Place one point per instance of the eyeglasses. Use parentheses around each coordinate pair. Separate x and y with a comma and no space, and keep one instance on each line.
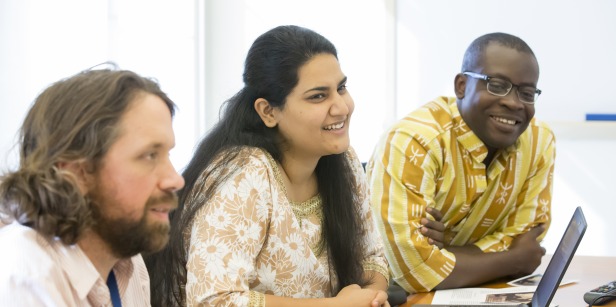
(501,87)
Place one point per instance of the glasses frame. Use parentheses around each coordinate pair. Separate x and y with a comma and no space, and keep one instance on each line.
(517,87)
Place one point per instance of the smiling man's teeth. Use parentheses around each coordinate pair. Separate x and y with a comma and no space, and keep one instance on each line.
(332,127)
(504,120)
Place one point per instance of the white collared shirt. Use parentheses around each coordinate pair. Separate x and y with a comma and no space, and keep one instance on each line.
(35,271)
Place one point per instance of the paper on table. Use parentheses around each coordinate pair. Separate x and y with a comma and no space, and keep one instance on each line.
(533,280)
(470,296)
(529,280)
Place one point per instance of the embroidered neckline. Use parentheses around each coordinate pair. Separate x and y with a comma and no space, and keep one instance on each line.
(307,208)
(301,210)
(304,209)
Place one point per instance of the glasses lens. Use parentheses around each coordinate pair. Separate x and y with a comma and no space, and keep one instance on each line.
(499,87)
(527,94)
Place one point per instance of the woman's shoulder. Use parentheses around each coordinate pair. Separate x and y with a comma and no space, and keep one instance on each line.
(241,159)
(351,154)
(353,159)
(255,156)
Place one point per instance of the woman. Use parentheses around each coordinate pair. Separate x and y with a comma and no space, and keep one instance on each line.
(275,209)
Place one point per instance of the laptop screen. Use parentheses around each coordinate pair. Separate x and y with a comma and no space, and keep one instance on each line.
(557,267)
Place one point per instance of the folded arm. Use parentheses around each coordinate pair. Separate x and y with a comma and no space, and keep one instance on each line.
(403,194)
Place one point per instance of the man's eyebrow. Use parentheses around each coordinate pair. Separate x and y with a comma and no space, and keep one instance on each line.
(154,145)
(499,76)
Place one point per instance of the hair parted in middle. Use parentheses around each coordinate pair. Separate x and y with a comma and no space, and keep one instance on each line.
(270,72)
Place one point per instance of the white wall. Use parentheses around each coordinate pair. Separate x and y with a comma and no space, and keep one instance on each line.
(397,54)
(43,41)
(573,41)
(178,42)
(39,48)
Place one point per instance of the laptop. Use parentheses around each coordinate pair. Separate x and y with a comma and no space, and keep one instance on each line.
(555,270)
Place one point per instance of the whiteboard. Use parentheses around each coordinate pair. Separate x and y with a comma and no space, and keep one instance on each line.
(574,41)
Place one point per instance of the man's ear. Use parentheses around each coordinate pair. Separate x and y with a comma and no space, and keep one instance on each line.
(459,85)
(78,171)
(266,112)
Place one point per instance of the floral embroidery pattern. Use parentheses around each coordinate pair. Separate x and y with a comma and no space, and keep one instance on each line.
(248,240)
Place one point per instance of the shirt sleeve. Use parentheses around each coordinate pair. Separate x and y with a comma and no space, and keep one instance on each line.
(402,181)
(533,203)
(374,258)
(31,278)
(29,292)
(227,234)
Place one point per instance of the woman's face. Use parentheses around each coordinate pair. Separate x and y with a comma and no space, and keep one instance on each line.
(315,119)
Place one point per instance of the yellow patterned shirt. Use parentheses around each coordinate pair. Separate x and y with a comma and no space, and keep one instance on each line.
(431,158)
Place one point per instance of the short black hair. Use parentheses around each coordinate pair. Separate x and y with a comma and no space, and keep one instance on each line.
(476,49)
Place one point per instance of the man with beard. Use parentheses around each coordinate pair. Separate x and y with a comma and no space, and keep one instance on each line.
(462,186)
(93,190)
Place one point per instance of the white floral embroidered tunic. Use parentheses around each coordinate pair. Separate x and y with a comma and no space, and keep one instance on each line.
(249,239)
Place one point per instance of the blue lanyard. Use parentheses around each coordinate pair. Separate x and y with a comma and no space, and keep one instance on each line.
(113,290)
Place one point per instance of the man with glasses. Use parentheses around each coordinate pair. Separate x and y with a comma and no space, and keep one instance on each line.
(462,186)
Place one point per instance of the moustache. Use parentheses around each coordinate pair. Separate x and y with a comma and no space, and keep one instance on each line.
(168,198)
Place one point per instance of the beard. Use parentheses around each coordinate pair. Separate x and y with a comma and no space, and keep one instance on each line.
(127,237)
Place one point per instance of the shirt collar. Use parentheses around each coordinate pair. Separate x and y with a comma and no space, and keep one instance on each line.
(81,272)
(469,140)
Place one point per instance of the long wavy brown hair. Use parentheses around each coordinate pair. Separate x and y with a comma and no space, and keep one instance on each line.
(74,119)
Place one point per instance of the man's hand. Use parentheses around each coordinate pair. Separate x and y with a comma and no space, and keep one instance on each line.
(474,267)
(529,250)
(433,229)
